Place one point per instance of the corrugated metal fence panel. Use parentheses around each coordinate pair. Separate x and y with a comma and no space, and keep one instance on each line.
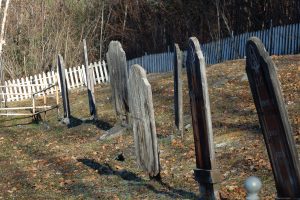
(278,40)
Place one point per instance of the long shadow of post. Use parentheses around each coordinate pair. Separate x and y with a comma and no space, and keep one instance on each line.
(98,123)
(129,176)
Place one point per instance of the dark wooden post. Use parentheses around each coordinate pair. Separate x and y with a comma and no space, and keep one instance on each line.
(90,83)
(64,89)
(178,89)
(143,121)
(206,173)
(273,119)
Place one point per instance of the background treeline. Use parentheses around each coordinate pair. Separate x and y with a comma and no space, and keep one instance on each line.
(37,30)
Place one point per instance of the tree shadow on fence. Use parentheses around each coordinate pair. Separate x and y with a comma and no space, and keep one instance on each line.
(106,169)
(74,122)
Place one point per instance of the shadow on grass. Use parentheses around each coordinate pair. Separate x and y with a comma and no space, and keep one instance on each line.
(105,169)
(74,122)
(252,127)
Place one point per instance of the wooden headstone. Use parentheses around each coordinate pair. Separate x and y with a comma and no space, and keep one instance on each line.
(178,89)
(206,173)
(64,89)
(273,119)
(116,61)
(143,122)
(90,83)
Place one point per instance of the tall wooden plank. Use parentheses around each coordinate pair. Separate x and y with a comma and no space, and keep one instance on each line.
(64,90)
(90,83)
(178,103)
(206,172)
(116,61)
(143,121)
(273,119)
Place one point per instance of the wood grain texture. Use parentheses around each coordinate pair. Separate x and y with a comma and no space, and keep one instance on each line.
(64,89)
(116,61)
(273,118)
(178,89)
(90,83)
(143,121)
(206,173)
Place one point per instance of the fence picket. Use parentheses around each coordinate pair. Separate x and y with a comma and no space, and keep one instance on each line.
(11,97)
(68,79)
(15,90)
(105,72)
(24,88)
(19,90)
(7,96)
(279,40)
(83,74)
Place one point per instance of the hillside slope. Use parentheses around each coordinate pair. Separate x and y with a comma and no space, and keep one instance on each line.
(50,161)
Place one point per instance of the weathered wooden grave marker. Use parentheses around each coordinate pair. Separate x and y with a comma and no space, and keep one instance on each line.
(64,89)
(273,119)
(178,89)
(90,83)
(143,122)
(206,173)
(116,61)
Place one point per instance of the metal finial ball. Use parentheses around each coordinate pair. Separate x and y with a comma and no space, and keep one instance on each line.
(253,186)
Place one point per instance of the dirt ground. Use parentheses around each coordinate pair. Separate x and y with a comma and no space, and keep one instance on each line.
(50,161)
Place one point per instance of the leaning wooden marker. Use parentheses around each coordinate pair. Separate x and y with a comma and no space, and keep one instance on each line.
(90,83)
(116,61)
(143,122)
(206,173)
(178,89)
(64,90)
(273,119)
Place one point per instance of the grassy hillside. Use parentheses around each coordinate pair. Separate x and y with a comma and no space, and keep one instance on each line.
(49,161)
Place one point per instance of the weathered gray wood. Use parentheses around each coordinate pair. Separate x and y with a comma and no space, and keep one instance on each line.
(64,90)
(143,122)
(90,83)
(178,89)
(206,173)
(273,119)
(116,61)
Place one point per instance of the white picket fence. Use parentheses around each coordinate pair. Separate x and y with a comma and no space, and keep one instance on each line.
(23,88)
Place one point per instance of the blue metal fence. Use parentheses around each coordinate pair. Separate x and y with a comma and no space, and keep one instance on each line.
(280,40)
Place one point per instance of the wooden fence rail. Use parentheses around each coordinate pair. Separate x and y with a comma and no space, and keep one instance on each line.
(280,40)
(23,88)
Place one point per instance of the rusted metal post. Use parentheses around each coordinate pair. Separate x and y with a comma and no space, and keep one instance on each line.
(206,172)
(273,119)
